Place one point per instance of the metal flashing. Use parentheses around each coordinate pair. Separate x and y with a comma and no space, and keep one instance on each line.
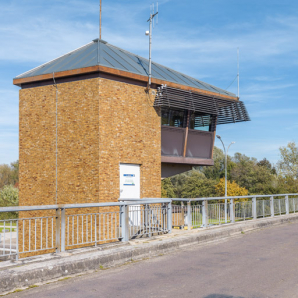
(100,52)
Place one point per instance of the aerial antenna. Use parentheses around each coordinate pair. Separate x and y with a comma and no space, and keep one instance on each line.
(238,71)
(100,19)
(151,20)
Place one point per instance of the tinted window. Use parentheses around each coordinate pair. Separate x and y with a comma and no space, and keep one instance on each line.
(171,117)
(199,121)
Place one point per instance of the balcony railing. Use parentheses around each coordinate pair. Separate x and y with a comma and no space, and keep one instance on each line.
(186,143)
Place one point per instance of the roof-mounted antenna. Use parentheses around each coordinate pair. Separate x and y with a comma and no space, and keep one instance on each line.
(100,19)
(238,71)
(99,35)
(150,20)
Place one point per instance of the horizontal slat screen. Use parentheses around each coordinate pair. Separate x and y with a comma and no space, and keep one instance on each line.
(227,111)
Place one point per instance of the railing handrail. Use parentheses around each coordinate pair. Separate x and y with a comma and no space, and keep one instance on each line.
(124,202)
(86,205)
(233,197)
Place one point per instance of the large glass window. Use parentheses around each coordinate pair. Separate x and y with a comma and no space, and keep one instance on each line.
(182,118)
(176,118)
(199,121)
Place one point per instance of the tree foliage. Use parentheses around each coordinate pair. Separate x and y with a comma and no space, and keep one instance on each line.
(256,177)
(9,196)
(233,189)
(9,174)
(198,185)
(167,190)
(246,176)
(288,164)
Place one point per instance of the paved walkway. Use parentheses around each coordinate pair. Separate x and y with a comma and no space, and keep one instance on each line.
(259,264)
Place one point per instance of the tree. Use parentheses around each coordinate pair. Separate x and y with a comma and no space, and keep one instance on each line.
(288,165)
(197,185)
(9,174)
(167,189)
(178,182)
(256,177)
(267,164)
(9,196)
(15,172)
(233,189)
(216,171)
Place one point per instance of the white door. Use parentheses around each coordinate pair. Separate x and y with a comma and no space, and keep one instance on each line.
(130,189)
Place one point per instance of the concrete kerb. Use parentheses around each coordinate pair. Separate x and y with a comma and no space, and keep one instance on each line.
(23,274)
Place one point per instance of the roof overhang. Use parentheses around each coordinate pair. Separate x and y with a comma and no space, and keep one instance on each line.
(115,72)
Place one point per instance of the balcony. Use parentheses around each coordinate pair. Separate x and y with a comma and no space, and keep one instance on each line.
(186,146)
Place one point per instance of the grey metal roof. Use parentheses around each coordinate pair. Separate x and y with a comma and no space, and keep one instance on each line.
(105,54)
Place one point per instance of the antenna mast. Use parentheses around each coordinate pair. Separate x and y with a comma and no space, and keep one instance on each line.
(100,19)
(238,71)
(151,20)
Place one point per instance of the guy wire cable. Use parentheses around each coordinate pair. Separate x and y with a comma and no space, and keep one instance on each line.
(55,85)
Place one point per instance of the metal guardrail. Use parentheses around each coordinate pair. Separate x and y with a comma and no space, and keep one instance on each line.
(61,230)
(201,213)
(57,228)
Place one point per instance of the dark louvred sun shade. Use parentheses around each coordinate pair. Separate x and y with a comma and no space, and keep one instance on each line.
(226,110)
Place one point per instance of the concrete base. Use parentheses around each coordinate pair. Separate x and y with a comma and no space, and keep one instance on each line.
(41,269)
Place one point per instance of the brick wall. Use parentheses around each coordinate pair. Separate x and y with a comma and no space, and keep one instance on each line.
(129,133)
(101,123)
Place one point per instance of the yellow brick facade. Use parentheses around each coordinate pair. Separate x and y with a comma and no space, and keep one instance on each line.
(101,123)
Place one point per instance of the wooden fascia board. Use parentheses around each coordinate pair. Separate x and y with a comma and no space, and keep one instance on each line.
(116,72)
(187,161)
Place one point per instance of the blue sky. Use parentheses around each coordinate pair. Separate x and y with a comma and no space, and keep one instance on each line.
(199,38)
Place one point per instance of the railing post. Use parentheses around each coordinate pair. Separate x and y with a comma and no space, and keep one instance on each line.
(63,229)
(254,208)
(58,220)
(205,214)
(146,219)
(287,204)
(189,215)
(232,211)
(17,242)
(226,210)
(125,223)
(272,206)
(169,218)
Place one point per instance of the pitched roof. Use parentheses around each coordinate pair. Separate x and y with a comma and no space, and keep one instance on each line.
(99,52)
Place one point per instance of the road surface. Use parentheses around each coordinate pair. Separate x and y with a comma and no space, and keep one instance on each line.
(259,264)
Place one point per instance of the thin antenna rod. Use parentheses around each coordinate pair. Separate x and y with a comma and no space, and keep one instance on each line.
(152,15)
(238,71)
(100,19)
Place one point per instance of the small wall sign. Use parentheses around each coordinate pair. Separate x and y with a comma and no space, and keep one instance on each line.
(129,179)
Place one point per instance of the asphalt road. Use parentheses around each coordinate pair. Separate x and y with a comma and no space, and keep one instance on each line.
(260,264)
